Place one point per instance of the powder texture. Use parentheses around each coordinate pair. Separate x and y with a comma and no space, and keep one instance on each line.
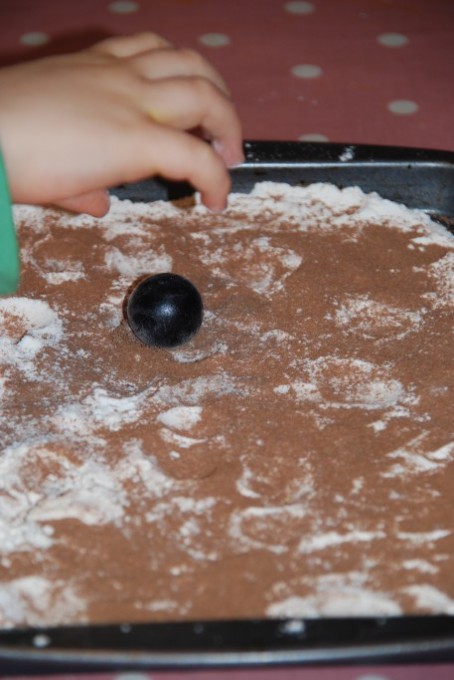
(294,459)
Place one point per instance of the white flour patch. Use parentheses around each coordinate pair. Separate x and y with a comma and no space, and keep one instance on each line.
(263,266)
(26,328)
(181,417)
(371,316)
(197,391)
(99,409)
(347,383)
(420,565)
(341,601)
(424,536)
(415,459)
(347,154)
(261,528)
(133,266)
(141,466)
(333,538)
(89,493)
(430,599)
(179,440)
(42,602)
(443,272)
(57,278)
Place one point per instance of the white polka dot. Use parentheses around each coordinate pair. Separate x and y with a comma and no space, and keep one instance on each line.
(34,39)
(393,39)
(214,39)
(132,676)
(403,107)
(299,7)
(306,71)
(313,137)
(123,7)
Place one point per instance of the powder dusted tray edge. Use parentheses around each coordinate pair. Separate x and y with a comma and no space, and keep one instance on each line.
(418,178)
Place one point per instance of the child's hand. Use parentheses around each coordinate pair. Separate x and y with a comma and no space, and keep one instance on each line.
(75,125)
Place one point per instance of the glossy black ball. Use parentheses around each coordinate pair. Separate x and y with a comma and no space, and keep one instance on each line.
(165,310)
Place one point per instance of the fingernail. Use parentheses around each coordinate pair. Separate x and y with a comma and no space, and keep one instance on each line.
(231,156)
(216,209)
(215,206)
(238,159)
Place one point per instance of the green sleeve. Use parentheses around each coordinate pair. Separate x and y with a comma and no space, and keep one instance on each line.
(9,255)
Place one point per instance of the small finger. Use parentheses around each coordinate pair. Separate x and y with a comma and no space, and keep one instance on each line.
(178,156)
(94,203)
(170,63)
(131,45)
(186,103)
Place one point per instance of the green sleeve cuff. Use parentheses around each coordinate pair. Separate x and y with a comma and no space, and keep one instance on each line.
(9,252)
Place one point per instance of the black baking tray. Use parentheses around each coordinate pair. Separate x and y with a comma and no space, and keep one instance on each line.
(419,178)
(228,644)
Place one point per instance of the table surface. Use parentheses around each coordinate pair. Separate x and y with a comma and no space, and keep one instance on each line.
(361,71)
(354,71)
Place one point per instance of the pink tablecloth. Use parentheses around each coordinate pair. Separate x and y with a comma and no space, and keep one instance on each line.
(441,672)
(362,71)
(371,71)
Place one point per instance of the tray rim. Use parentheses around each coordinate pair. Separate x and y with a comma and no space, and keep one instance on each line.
(342,162)
(276,151)
(421,639)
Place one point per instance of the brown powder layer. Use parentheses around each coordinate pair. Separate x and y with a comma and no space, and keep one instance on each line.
(294,459)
